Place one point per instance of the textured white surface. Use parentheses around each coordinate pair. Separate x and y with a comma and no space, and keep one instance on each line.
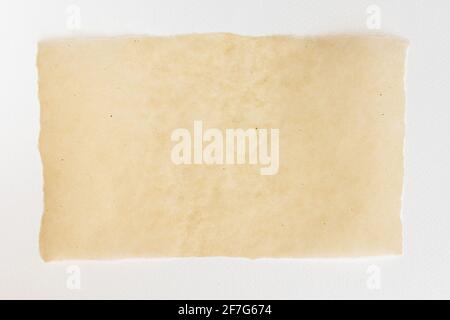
(423,271)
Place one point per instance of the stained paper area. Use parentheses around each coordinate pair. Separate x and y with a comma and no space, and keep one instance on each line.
(110,105)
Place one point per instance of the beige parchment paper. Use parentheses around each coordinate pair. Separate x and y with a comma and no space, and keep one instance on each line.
(110,105)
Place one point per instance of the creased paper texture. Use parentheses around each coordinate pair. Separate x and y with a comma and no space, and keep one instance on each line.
(109,110)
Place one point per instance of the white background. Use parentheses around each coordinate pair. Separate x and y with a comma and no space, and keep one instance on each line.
(423,271)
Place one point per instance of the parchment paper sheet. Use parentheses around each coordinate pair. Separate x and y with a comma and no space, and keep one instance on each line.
(108,107)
